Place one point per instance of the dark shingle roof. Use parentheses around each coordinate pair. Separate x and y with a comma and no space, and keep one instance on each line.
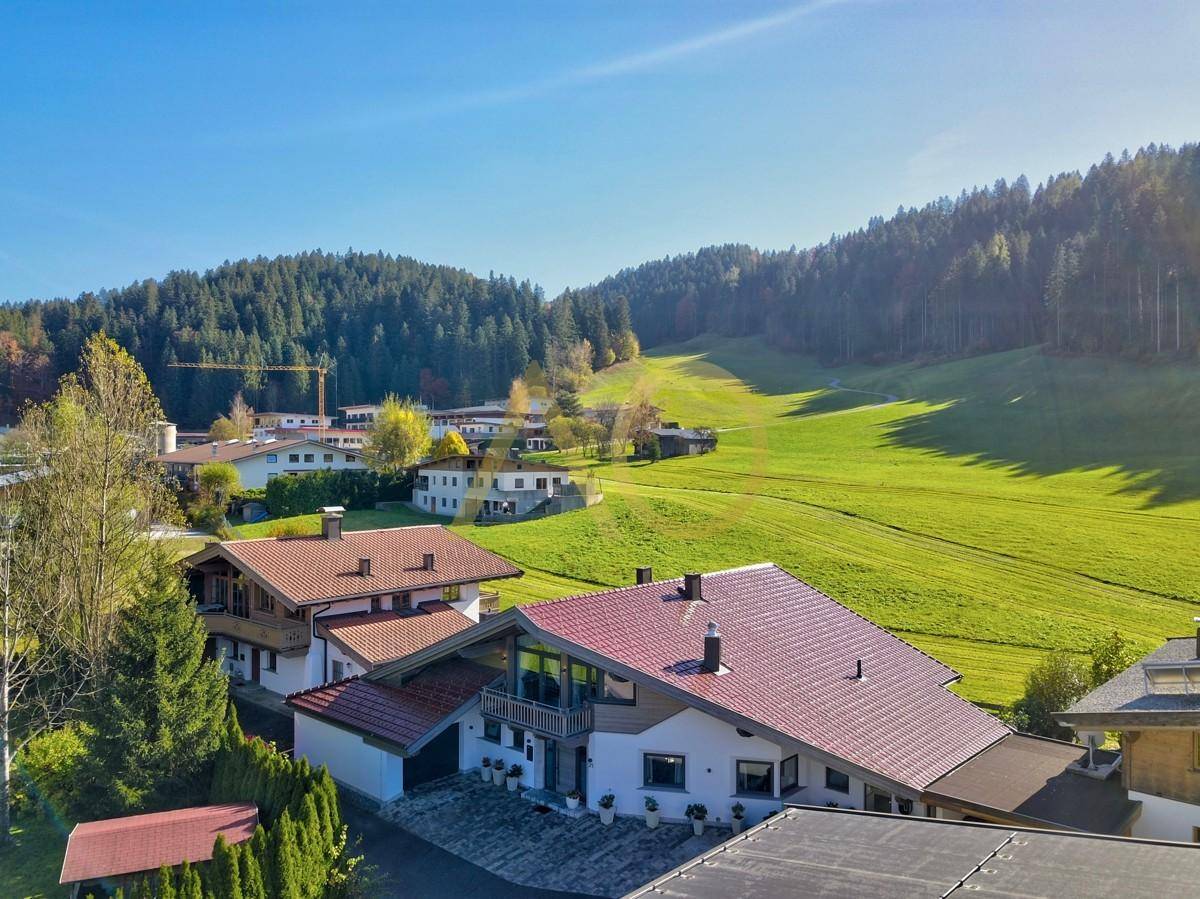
(400,715)
(1125,698)
(1027,776)
(791,654)
(843,854)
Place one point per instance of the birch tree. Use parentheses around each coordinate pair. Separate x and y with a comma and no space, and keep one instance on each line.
(76,542)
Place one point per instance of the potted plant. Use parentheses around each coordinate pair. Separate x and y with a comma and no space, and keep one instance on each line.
(573,797)
(651,812)
(697,811)
(739,817)
(514,777)
(498,772)
(608,810)
(485,770)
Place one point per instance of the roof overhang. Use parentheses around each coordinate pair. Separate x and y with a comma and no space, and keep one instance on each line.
(1133,720)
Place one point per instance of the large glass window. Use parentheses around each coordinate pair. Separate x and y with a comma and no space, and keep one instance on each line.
(537,672)
(663,771)
(755,777)
(618,689)
(837,781)
(789,773)
(590,684)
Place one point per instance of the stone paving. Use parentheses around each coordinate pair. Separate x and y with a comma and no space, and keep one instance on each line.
(503,833)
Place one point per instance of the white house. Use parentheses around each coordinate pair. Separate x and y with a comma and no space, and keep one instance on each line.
(291,420)
(360,417)
(293,612)
(743,686)
(484,484)
(259,461)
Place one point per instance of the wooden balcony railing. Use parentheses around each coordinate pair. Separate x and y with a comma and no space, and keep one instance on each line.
(548,720)
(280,635)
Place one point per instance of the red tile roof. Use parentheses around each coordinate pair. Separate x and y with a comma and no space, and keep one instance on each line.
(377,637)
(791,652)
(312,569)
(403,714)
(117,846)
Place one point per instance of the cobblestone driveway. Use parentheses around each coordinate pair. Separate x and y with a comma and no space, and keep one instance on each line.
(499,831)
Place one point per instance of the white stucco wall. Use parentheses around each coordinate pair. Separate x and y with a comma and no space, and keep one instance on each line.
(473,746)
(454,491)
(1165,819)
(256,470)
(368,769)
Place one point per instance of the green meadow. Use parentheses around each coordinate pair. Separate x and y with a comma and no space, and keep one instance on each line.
(988,510)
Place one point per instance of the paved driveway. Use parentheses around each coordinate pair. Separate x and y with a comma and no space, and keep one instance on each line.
(499,831)
(411,868)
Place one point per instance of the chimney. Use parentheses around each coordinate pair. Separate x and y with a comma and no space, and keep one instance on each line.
(645,575)
(214,448)
(331,526)
(427,561)
(858,675)
(364,567)
(691,587)
(712,647)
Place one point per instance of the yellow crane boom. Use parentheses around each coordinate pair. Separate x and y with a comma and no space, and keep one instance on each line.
(321,371)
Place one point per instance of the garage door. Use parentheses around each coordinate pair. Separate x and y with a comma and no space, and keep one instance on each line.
(438,759)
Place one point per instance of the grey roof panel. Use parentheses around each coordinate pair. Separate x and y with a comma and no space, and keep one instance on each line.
(1126,693)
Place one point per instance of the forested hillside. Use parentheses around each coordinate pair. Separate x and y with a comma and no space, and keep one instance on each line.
(391,324)
(1108,262)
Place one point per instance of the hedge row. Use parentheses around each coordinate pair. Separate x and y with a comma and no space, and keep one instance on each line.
(304,494)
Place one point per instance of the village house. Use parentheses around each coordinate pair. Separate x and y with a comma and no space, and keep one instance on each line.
(492,485)
(360,417)
(744,686)
(291,420)
(346,438)
(1154,705)
(676,441)
(293,612)
(118,851)
(259,461)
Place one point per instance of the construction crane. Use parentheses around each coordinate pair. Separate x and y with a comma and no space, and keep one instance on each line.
(321,371)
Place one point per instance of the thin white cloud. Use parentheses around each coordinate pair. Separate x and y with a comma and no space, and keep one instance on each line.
(375,118)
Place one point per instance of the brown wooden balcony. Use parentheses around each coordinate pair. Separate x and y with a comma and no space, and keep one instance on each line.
(277,634)
(548,720)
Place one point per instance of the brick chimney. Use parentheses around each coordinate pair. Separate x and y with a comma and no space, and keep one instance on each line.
(712,647)
(364,567)
(691,589)
(428,561)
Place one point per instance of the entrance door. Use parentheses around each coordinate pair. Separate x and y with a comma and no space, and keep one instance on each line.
(581,771)
(551,765)
(254,664)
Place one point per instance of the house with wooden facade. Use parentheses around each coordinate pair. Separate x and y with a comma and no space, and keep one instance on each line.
(1154,705)
(294,612)
(743,686)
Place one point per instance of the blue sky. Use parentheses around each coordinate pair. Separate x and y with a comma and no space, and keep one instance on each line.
(553,141)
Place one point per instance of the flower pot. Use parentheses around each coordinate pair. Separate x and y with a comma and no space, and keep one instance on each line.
(607,815)
(698,826)
(485,774)
(737,825)
(572,802)
(513,782)
(497,776)
(652,818)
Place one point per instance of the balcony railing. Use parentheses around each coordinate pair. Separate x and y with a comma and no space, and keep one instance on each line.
(548,720)
(278,635)
(489,603)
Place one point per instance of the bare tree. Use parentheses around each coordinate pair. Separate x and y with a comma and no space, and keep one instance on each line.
(76,542)
(242,417)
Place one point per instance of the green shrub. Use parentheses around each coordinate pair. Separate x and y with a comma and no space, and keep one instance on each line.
(49,769)
(304,494)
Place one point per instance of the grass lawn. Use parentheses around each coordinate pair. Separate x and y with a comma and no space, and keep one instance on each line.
(30,867)
(988,510)
(357,520)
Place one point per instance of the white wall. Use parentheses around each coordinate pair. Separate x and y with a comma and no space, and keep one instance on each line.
(256,470)
(472,747)
(454,491)
(710,747)
(368,769)
(1165,819)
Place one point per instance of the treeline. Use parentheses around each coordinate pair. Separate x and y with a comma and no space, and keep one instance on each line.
(1107,262)
(392,324)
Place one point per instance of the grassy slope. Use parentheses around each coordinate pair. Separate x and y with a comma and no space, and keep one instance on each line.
(1002,507)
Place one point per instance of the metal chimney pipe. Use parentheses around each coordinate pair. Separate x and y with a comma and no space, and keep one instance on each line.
(712,648)
(858,674)
(691,586)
